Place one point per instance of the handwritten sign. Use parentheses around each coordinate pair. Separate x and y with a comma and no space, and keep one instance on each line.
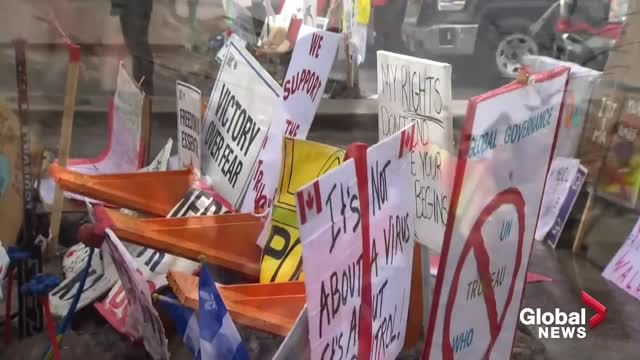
(236,122)
(504,157)
(392,225)
(602,118)
(303,87)
(143,320)
(303,161)
(620,173)
(559,181)
(581,83)
(337,230)
(553,235)
(412,90)
(624,267)
(189,124)
(329,214)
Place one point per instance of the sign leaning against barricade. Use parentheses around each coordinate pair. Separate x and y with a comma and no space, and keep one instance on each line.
(238,116)
(419,91)
(356,229)
(508,141)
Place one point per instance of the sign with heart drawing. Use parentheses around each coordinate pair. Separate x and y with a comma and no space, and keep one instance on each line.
(507,145)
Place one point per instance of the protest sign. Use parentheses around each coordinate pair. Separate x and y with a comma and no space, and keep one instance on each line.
(124,151)
(553,235)
(419,91)
(303,87)
(508,142)
(189,124)
(236,122)
(602,118)
(302,162)
(356,229)
(143,319)
(624,267)
(620,172)
(392,226)
(574,111)
(560,179)
(332,261)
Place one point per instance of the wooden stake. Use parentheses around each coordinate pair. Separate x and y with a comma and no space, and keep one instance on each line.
(414,320)
(584,221)
(146,129)
(65,141)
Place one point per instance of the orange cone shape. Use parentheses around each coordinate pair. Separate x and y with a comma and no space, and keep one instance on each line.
(271,307)
(154,193)
(226,240)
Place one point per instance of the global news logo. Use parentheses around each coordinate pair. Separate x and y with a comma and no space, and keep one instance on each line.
(562,325)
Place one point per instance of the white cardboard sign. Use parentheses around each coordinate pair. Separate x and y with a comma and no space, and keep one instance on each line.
(236,122)
(419,91)
(332,231)
(392,225)
(332,260)
(189,105)
(624,267)
(143,320)
(506,150)
(303,87)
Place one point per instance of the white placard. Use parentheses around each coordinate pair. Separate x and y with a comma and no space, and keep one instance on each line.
(143,319)
(392,225)
(302,91)
(236,122)
(189,106)
(559,180)
(506,150)
(332,226)
(419,91)
(624,267)
(574,112)
(332,259)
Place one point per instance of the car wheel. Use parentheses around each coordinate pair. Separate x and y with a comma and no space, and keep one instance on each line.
(508,42)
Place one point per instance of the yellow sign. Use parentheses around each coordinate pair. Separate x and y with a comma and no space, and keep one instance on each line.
(303,162)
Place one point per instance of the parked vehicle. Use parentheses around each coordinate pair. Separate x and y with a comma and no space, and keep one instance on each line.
(497,33)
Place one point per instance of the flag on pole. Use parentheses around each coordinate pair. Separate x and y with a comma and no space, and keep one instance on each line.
(219,338)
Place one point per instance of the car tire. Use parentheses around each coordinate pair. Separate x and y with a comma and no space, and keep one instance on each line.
(504,44)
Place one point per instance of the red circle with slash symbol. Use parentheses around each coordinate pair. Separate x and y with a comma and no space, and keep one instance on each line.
(476,242)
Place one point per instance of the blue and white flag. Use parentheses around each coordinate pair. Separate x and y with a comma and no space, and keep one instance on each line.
(186,323)
(219,338)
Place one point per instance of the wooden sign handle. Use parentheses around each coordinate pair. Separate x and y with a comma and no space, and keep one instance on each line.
(73,72)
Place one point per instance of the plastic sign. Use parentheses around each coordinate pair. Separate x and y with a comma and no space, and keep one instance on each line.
(303,87)
(356,229)
(507,146)
(303,161)
(553,235)
(560,179)
(574,111)
(236,122)
(419,91)
(189,105)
